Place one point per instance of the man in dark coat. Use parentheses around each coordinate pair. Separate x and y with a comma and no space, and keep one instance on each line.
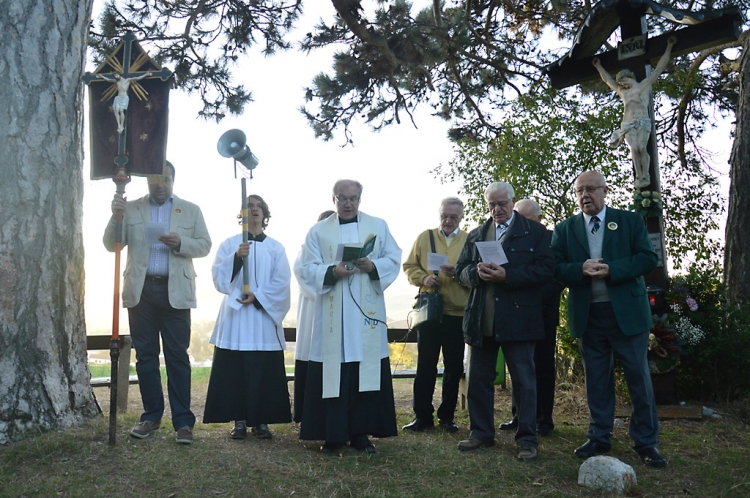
(602,255)
(504,310)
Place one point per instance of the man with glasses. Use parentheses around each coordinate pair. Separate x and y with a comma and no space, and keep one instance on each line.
(504,310)
(349,394)
(602,255)
(448,239)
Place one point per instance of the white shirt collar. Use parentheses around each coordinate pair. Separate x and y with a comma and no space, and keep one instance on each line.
(452,234)
(602,213)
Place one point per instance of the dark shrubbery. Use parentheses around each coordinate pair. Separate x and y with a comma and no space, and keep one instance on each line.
(718,367)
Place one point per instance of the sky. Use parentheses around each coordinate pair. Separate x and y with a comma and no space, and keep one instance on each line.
(295,174)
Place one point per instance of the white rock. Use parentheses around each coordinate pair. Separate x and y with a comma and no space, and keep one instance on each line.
(607,473)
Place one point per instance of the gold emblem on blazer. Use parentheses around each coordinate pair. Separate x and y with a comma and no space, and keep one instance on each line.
(612,225)
(179,211)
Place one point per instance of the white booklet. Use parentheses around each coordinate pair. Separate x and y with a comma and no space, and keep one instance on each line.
(436,260)
(155,230)
(492,252)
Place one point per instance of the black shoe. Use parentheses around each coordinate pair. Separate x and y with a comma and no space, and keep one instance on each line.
(419,425)
(362,443)
(261,431)
(652,458)
(544,430)
(449,425)
(331,448)
(239,431)
(510,425)
(591,448)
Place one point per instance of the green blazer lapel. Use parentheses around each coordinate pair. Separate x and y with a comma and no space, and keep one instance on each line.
(579,230)
(612,216)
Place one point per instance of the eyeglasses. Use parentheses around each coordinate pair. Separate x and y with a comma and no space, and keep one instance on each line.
(588,190)
(501,204)
(452,217)
(343,200)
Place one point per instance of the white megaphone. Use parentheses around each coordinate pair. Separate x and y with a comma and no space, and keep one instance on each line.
(233,143)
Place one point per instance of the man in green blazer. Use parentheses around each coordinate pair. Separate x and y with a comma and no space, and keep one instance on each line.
(602,255)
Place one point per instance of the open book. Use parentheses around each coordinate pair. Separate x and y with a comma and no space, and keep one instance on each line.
(350,252)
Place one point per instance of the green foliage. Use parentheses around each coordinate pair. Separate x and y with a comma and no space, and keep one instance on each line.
(548,138)
(647,203)
(717,367)
(199,41)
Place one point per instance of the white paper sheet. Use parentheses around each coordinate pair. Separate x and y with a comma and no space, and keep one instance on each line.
(155,230)
(492,252)
(436,260)
(233,297)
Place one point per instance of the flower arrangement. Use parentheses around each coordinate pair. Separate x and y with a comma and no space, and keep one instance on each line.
(673,330)
(647,203)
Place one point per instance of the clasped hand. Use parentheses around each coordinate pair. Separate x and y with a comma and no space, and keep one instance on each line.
(491,272)
(595,268)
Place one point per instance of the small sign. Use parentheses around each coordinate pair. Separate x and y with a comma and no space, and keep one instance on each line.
(655,239)
(632,47)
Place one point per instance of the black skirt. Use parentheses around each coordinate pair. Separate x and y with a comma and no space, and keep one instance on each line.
(353,413)
(247,385)
(300,379)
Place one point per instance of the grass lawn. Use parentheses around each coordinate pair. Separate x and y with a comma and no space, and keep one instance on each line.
(706,458)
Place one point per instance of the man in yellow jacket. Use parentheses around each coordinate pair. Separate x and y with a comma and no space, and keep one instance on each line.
(449,240)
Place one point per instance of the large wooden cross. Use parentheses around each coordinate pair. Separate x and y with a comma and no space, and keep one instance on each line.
(636,52)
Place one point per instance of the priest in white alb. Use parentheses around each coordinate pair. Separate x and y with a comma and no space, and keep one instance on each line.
(349,393)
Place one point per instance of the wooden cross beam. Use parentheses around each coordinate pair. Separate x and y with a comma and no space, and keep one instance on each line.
(569,72)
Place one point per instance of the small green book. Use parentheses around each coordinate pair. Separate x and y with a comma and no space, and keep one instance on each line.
(356,251)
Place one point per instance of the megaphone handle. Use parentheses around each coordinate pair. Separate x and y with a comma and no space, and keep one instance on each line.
(245,272)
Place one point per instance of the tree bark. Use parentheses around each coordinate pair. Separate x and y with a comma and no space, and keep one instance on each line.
(737,251)
(44,378)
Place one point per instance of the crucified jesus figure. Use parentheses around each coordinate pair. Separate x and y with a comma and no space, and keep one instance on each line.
(120,104)
(636,122)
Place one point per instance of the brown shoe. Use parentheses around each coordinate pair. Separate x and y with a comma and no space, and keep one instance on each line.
(185,435)
(473,443)
(527,453)
(142,429)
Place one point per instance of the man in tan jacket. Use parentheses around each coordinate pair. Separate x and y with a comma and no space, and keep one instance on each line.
(159,291)
(449,240)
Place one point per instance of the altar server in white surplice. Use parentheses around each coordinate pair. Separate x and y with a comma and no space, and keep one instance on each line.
(348,394)
(248,381)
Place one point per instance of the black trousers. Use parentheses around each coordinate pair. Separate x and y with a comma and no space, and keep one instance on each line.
(447,336)
(151,318)
(601,342)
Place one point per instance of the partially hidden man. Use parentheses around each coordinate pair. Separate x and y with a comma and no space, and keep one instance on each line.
(158,292)
(448,240)
(602,255)
(544,352)
(349,393)
(504,310)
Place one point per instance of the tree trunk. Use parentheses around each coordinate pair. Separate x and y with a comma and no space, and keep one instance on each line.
(44,378)
(737,251)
